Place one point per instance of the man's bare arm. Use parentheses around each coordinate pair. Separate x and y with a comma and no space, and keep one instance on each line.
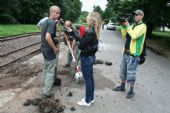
(51,43)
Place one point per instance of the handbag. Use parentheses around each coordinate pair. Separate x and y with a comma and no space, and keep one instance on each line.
(101,46)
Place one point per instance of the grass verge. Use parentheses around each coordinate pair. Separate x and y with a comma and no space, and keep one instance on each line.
(9,30)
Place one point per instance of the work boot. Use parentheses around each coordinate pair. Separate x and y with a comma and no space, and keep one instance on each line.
(130,94)
(119,88)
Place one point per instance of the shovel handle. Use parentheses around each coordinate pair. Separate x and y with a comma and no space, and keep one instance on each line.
(71,50)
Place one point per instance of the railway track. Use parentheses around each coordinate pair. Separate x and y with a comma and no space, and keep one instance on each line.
(15,49)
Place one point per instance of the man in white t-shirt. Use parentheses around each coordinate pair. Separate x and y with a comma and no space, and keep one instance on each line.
(40,23)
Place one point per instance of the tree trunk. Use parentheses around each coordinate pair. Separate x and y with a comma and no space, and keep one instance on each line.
(163,28)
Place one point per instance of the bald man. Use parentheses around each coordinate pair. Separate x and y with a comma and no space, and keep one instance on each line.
(49,50)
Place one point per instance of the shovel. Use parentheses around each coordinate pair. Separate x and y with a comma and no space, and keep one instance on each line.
(78,75)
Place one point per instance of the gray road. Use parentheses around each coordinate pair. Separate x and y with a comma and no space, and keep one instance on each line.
(153,77)
(152,87)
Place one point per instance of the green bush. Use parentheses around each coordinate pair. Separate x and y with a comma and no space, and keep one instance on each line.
(6,18)
(106,21)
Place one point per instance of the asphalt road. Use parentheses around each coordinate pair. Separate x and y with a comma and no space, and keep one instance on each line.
(152,87)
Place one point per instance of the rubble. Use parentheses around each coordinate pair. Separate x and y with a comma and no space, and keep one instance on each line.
(70,94)
(46,105)
(98,62)
(73,109)
(108,63)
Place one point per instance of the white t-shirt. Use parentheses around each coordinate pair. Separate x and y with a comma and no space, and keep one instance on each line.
(40,23)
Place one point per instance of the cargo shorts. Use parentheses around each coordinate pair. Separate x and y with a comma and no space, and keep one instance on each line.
(128,68)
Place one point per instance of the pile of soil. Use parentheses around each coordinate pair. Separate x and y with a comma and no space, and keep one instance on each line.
(102,62)
(108,63)
(63,72)
(50,106)
(98,62)
(46,105)
(70,94)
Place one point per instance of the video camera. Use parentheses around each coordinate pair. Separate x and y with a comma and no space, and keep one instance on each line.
(124,17)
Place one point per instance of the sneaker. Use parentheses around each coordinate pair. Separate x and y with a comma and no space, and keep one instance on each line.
(84,103)
(119,88)
(130,95)
(92,101)
(67,65)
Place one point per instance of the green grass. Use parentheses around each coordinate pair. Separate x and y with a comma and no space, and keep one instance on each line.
(8,30)
(161,34)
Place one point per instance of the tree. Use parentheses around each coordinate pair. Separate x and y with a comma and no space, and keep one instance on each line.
(98,9)
(83,16)
(31,11)
(72,9)
(8,11)
(156,11)
(108,14)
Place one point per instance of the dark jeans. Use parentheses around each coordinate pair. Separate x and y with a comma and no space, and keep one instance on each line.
(87,70)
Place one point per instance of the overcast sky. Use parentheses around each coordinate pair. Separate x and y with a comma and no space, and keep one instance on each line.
(88,4)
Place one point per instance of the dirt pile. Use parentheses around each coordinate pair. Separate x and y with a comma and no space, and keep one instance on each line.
(98,61)
(46,105)
(63,72)
(50,106)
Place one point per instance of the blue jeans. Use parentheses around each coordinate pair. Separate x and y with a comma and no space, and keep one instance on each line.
(128,68)
(87,70)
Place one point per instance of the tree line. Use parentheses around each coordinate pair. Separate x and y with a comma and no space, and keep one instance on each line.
(31,11)
(156,11)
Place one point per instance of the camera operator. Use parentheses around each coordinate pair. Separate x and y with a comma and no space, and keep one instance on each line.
(73,37)
(135,38)
(49,50)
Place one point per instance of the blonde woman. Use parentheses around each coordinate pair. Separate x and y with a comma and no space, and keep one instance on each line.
(88,46)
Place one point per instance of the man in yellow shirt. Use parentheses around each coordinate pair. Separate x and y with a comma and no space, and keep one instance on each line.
(135,38)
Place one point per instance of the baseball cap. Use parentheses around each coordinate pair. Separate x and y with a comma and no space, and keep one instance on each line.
(139,12)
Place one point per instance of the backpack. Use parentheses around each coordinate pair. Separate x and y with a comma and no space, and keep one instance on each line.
(143,54)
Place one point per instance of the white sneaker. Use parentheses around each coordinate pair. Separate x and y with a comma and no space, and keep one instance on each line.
(83,99)
(84,103)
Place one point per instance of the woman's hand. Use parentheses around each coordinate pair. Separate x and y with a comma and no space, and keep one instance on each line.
(68,29)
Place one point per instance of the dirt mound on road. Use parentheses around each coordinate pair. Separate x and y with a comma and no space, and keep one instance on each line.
(50,106)
(46,105)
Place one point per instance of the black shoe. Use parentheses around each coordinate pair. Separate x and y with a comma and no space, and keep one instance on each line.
(130,94)
(57,82)
(67,65)
(119,88)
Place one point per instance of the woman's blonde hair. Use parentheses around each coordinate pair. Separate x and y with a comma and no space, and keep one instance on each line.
(96,18)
